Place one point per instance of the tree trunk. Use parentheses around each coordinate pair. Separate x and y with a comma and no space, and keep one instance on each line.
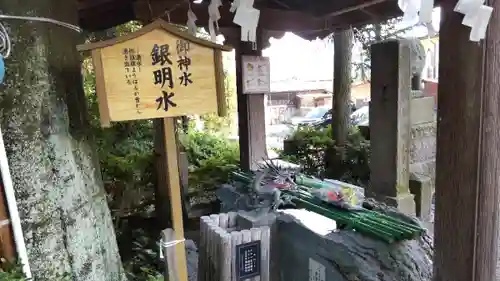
(342,85)
(185,124)
(65,217)
(343,42)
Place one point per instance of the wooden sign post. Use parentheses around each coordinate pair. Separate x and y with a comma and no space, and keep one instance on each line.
(174,184)
(160,72)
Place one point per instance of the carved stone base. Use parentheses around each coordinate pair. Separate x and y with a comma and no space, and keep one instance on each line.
(405,203)
(422,187)
(251,219)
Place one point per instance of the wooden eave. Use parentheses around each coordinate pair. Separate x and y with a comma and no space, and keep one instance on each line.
(307,18)
(157,24)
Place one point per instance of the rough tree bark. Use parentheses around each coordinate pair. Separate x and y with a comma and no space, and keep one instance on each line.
(343,43)
(64,213)
(468,150)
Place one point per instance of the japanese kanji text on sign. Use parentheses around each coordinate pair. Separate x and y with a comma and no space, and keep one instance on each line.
(156,72)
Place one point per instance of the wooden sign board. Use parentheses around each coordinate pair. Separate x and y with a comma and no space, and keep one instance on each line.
(157,72)
(256,75)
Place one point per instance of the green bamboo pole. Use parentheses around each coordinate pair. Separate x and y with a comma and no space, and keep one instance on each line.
(347,217)
(369,222)
(362,228)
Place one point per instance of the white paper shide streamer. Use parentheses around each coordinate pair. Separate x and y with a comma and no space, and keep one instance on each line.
(410,10)
(191,22)
(234,6)
(247,17)
(213,17)
(477,15)
(425,16)
(418,11)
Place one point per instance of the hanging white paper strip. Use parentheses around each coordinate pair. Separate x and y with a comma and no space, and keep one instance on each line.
(431,32)
(410,10)
(470,17)
(465,6)
(244,16)
(477,15)
(234,6)
(213,17)
(479,27)
(425,13)
(211,31)
(247,3)
(248,19)
(213,10)
(191,22)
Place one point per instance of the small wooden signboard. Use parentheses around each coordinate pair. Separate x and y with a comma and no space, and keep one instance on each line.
(156,72)
(256,75)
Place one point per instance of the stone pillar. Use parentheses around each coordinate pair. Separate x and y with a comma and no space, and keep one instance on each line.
(422,151)
(390,125)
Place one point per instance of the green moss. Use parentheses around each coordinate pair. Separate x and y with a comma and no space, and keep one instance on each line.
(12,272)
(44,123)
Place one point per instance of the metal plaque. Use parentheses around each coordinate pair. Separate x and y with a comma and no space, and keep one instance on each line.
(248,260)
(317,271)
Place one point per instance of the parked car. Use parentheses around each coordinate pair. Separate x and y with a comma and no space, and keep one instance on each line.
(359,117)
(315,115)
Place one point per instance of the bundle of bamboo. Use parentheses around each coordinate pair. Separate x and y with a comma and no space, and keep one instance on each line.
(368,222)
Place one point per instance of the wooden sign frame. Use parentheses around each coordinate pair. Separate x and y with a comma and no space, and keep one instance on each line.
(98,48)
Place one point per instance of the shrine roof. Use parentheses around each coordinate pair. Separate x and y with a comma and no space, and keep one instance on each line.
(157,24)
(307,18)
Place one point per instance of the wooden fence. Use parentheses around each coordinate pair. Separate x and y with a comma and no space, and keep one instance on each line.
(219,240)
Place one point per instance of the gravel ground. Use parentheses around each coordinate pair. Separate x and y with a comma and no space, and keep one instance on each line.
(192,260)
